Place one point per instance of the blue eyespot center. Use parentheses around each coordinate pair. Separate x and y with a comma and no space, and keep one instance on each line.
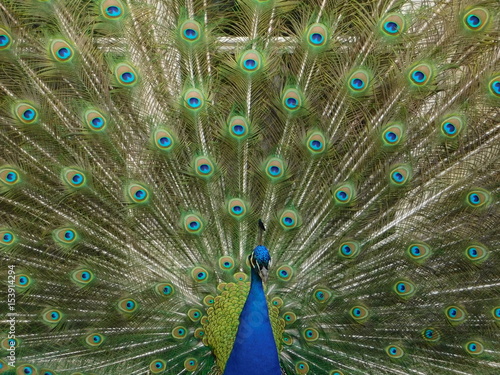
(391,27)
(346,249)
(127,77)
(237,209)
(418,76)
(357,83)
(283,273)
(165,141)
(238,129)
(205,168)
(415,250)
(64,53)
(391,137)
(194,225)
(158,365)
(77,178)
(429,333)
(291,102)
(401,287)
(69,235)
(7,237)
(315,144)
(342,195)
(4,40)
(450,128)
(316,38)
(28,370)
(167,290)
(472,347)
(11,176)
(85,275)
(54,315)
(191,34)
(398,177)
(393,350)
(497,312)
(288,221)
(274,170)
(473,252)
(96,338)
(194,102)
(140,194)
(250,64)
(474,198)
(496,87)
(113,11)
(309,333)
(320,295)
(23,280)
(29,114)
(473,21)
(97,122)
(453,312)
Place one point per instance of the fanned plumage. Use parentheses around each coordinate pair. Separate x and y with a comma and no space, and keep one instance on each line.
(142,142)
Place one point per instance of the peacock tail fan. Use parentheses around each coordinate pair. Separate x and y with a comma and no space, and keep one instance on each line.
(142,142)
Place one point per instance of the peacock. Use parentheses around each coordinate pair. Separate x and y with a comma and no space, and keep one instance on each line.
(249,187)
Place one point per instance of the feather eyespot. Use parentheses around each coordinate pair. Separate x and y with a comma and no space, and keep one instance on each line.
(137,193)
(476,19)
(289,317)
(289,219)
(23,281)
(208,300)
(65,237)
(451,127)
(95,120)
(199,333)
(400,175)
(250,61)
(277,301)
(26,370)
(418,252)
(344,194)
(94,339)
(128,305)
(291,100)
(240,276)
(317,35)
(237,208)
(476,253)
(164,289)
(112,9)
(431,335)
(190,31)
(164,140)
(335,372)
(191,364)
(238,127)
(9,176)
(126,75)
(455,315)
(316,143)
(421,74)
(310,334)
(393,134)
(495,312)
(7,238)
(61,51)
(275,169)
(349,249)
(193,223)
(73,178)
(284,273)
(359,81)
(82,277)
(359,313)
(226,263)
(179,332)
(478,198)
(287,339)
(5,39)
(157,366)
(322,295)
(394,351)
(194,315)
(203,167)
(199,274)
(26,113)
(474,347)
(392,25)
(404,289)
(494,86)
(194,100)
(52,316)
(301,368)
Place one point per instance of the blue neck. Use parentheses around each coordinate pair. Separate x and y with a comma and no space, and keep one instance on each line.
(254,351)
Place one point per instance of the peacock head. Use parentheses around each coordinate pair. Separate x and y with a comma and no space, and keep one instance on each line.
(260,261)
